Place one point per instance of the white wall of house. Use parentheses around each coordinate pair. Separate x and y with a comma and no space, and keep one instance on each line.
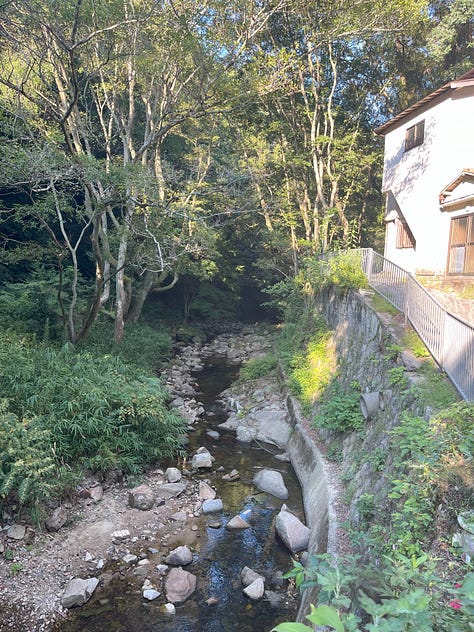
(417,177)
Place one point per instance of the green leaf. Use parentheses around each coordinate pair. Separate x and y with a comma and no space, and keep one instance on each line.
(291,627)
(325,615)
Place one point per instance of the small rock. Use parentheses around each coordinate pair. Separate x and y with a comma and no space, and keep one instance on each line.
(212,601)
(233,475)
(57,519)
(144,562)
(255,590)
(237,523)
(248,576)
(274,598)
(173,475)
(161,569)
(284,457)
(214,435)
(168,608)
(129,558)
(141,497)
(121,535)
(180,516)
(16,532)
(150,594)
(88,557)
(212,506)
(181,556)
(96,493)
(78,592)
(100,564)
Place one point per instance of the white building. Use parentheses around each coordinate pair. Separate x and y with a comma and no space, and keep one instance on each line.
(429,182)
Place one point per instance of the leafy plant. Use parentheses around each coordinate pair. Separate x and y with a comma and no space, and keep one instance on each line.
(67,408)
(339,410)
(16,568)
(412,341)
(396,376)
(258,367)
(27,464)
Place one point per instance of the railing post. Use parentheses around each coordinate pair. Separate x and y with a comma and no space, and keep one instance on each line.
(369,264)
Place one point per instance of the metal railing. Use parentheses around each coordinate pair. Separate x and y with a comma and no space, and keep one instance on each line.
(449,339)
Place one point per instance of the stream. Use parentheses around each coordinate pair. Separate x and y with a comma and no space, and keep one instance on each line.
(221,554)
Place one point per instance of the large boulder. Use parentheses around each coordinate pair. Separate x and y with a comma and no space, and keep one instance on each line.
(206,492)
(271,481)
(202,459)
(212,506)
(179,585)
(141,497)
(244,434)
(181,556)
(170,490)
(293,533)
(78,592)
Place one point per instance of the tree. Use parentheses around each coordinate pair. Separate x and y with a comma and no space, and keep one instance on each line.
(115,81)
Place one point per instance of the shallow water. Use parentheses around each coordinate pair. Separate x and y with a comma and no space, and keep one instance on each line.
(221,554)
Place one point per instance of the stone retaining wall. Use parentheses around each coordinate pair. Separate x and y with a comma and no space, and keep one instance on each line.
(363,343)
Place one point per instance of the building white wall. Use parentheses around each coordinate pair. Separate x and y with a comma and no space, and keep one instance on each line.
(417,177)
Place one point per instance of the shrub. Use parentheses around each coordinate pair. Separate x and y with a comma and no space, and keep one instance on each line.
(27,464)
(342,271)
(339,410)
(99,412)
(258,367)
(142,345)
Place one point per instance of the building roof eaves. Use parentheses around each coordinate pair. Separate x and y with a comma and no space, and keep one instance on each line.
(464,81)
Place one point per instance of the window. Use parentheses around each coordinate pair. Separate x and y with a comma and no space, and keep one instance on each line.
(405,237)
(414,135)
(461,246)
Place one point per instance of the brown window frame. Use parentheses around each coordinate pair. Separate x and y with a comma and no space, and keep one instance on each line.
(467,244)
(405,237)
(415,135)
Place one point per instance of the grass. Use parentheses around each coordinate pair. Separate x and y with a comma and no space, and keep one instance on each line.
(381,305)
(412,341)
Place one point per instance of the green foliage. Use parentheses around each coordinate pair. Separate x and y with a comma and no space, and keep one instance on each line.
(96,411)
(411,340)
(258,367)
(28,468)
(383,306)
(339,410)
(213,302)
(435,390)
(16,568)
(396,376)
(394,596)
(342,271)
(142,345)
(312,370)
(31,307)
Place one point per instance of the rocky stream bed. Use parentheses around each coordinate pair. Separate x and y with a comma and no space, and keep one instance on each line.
(168,538)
